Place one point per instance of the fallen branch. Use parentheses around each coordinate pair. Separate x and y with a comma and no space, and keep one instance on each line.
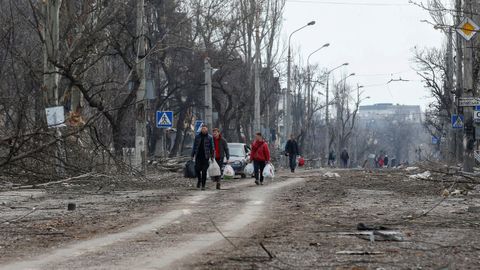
(61,181)
(270,255)
(19,218)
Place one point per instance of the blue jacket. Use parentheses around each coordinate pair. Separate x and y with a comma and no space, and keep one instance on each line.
(208,146)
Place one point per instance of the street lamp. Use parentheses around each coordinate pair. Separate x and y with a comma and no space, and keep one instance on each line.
(327,106)
(309,95)
(288,116)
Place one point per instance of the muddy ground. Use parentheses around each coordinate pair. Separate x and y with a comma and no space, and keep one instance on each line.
(32,220)
(309,225)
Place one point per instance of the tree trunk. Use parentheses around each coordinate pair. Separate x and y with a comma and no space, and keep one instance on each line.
(180,133)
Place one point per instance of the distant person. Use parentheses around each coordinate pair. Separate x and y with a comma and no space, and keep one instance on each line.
(202,151)
(344,157)
(291,150)
(381,162)
(260,155)
(331,158)
(385,161)
(221,152)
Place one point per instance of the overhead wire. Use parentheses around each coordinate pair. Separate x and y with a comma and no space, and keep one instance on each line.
(370,4)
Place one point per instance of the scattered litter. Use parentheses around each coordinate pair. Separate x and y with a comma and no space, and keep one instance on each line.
(411,169)
(331,175)
(71,206)
(424,175)
(373,236)
(457,192)
(363,227)
(315,244)
(347,252)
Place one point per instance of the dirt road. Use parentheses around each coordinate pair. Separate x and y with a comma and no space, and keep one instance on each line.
(184,228)
(304,221)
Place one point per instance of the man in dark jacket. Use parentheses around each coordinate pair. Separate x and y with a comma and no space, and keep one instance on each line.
(331,158)
(202,151)
(344,157)
(221,152)
(291,150)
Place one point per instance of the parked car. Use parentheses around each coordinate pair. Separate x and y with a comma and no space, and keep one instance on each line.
(239,155)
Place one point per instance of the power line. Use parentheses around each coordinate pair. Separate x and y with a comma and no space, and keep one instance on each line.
(370,4)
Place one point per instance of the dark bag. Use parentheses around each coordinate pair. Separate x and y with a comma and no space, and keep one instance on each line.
(189,171)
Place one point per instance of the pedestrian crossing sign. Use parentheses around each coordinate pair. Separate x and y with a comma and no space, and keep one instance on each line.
(164,119)
(457,121)
(198,126)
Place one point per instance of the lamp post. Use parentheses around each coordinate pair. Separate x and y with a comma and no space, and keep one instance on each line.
(309,95)
(288,113)
(327,106)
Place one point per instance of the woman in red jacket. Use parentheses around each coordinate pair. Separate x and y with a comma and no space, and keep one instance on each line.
(261,156)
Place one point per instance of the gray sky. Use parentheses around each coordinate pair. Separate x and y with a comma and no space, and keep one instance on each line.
(375,36)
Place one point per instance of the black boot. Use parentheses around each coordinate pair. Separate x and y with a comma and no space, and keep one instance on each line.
(218,185)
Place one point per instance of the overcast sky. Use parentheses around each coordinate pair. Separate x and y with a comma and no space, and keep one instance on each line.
(375,36)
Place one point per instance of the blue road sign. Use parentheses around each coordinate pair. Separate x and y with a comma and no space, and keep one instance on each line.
(164,119)
(434,140)
(457,121)
(198,126)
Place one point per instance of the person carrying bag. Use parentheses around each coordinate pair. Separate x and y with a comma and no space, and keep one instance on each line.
(261,156)
(203,153)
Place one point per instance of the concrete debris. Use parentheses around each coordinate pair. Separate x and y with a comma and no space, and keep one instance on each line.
(331,175)
(456,192)
(411,169)
(424,175)
(374,236)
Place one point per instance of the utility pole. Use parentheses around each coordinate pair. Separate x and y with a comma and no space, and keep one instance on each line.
(327,120)
(449,92)
(459,82)
(469,159)
(208,93)
(288,122)
(257,121)
(140,107)
(51,36)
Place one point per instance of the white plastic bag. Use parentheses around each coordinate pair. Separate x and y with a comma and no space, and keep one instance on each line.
(214,169)
(249,169)
(269,171)
(228,172)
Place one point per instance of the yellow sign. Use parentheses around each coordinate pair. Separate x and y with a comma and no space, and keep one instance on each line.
(468,28)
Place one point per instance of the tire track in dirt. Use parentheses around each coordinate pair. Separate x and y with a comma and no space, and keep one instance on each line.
(156,259)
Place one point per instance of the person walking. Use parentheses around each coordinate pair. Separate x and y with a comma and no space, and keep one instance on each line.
(291,150)
(385,161)
(221,152)
(344,157)
(202,151)
(260,155)
(381,161)
(331,158)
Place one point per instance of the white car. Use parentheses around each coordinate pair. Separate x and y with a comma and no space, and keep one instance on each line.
(239,155)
